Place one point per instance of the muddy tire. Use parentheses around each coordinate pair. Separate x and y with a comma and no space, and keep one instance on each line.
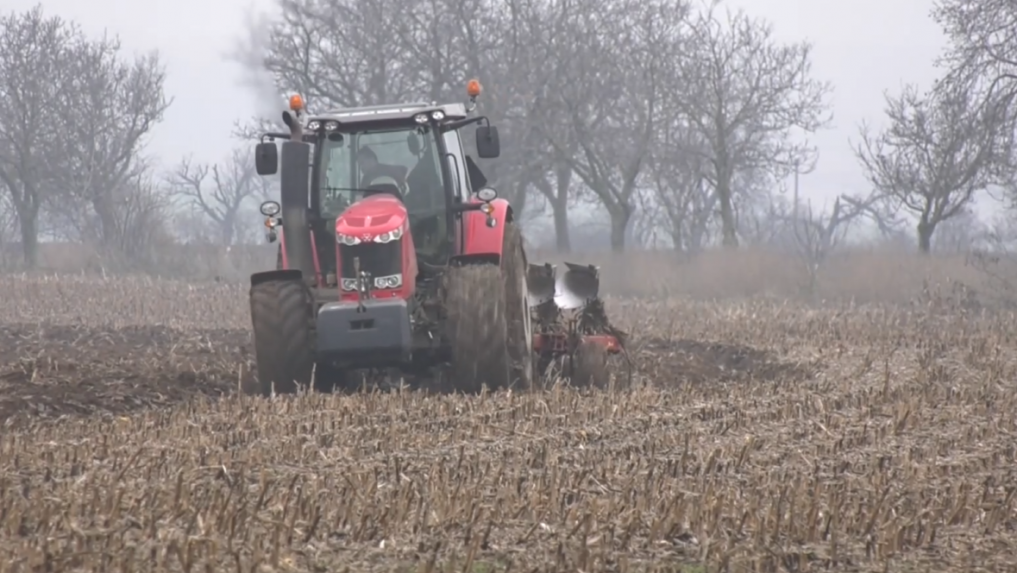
(476,329)
(517,309)
(281,313)
(589,366)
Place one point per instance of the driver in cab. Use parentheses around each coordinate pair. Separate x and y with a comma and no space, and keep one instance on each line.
(371,170)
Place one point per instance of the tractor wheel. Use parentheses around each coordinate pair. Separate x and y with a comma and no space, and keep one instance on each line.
(517,309)
(281,313)
(328,378)
(475,306)
(589,366)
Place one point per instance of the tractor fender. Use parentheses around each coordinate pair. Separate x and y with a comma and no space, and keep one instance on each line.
(276,275)
(481,242)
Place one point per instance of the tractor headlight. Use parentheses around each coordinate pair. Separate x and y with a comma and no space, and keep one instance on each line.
(347,240)
(393,235)
(270,208)
(391,281)
(349,284)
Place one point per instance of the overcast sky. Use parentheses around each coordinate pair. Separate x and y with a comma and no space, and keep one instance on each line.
(863,47)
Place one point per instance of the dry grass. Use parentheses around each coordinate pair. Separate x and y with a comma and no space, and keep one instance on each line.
(761,436)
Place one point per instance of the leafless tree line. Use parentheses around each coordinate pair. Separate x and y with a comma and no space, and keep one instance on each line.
(75,118)
(679,119)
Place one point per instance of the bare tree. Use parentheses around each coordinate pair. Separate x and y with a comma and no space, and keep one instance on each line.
(219,191)
(8,230)
(35,75)
(139,218)
(112,110)
(610,63)
(746,95)
(677,176)
(983,45)
(819,233)
(936,154)
(341,53)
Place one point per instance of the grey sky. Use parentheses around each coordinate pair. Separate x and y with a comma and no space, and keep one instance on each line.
(863,47)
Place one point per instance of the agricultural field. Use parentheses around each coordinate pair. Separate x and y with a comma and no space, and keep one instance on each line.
(754,435)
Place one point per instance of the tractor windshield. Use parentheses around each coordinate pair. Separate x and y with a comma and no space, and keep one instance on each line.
(405,158)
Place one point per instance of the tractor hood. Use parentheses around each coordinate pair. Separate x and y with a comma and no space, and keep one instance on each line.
(371,217)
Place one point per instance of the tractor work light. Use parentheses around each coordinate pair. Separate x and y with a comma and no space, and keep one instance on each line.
(296,102)
(487,194)
(420,118)
(314,125)
(438,115)
(270,208)
(331,125)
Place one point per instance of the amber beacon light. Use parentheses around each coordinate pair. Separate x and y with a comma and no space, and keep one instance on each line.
(473,88)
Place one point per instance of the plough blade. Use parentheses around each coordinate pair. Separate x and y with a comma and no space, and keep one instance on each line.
(577,287)
(540,283)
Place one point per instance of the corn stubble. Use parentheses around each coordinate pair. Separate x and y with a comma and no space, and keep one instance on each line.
(758,437)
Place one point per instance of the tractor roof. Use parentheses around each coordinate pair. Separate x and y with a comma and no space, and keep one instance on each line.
(390,112)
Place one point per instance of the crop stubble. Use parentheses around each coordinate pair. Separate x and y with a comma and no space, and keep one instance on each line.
(759,436)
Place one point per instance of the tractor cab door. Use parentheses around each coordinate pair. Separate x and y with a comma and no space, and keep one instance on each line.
(461,183)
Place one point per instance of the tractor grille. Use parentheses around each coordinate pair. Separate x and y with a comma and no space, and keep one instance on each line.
(378,259)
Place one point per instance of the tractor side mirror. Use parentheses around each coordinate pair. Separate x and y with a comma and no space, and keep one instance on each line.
(488,145)
(266,158)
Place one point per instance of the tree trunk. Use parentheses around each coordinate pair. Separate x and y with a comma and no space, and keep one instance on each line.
(677,237)
(559,208)
(925,230)
(620,218)
(727,219)
(109,231)
(28,220)
(563,185)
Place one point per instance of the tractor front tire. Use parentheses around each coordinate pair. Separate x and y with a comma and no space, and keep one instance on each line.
(517,308)
(282,314)
(476,328)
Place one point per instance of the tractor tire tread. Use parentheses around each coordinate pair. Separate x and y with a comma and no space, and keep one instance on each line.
(514,274)
(283,335)
(475,306)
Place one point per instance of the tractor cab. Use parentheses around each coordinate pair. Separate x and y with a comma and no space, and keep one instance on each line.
(388,192)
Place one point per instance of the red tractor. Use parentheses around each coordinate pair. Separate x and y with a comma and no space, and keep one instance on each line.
(395,253)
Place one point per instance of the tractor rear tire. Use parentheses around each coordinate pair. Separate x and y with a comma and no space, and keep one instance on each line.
(517,309)
(282,314)
(589,366)
(476,328)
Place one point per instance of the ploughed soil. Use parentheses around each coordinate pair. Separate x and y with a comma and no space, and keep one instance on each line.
(53,370)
